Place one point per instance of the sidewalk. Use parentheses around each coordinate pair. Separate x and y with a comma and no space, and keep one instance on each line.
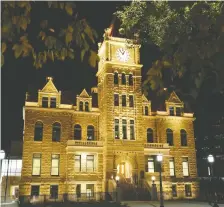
(168,204)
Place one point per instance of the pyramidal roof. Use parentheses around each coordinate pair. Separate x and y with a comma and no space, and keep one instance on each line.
(174,98)
(84,94)
(144,98)
(50,87)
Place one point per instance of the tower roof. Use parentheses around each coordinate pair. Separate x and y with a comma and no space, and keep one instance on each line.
(174,98)
(84,94)
(49,87)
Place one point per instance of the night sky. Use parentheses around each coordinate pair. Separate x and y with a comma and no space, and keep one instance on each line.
(19,76)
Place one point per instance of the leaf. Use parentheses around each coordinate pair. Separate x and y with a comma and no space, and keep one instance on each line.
(71,55)
(93,58)
(83,54)
(68,8)
(4,46)
(42,35)
(2,59)
(68,37)
(18,49)
(23,23)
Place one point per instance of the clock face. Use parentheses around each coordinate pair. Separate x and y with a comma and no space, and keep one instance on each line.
(122,55)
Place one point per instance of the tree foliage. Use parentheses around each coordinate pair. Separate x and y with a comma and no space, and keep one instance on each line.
(51,40)
(190,36)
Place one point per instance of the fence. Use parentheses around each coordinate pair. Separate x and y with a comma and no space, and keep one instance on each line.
(82,197)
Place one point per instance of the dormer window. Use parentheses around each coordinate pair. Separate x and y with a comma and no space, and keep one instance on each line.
(178,111)
(53,102)
(80,106)
(45,102)
(86,106)
(171,109)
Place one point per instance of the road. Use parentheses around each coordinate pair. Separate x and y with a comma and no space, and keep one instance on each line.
(168,204)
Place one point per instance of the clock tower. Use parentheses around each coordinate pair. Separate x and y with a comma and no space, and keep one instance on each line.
(120,103)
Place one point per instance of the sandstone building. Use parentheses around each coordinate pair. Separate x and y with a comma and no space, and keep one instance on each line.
(80,149)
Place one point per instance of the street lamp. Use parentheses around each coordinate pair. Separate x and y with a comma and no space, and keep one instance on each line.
(117,178)
(160,159)
(211,160)
(153,179)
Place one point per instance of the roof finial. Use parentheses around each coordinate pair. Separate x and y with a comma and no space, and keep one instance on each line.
(49,78)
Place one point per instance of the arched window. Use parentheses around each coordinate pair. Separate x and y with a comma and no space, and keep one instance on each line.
(38,131)
(130,79)
(86,106)
(146,110)
(56,132)
(115,78)
(183,136)
(77,132)
(80,106)
(169,135)
(90,133)
(149,135)
(123,79)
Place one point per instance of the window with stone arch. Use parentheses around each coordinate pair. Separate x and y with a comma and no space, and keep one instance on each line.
(80,106)
(123,79)
(169,135)
(86,106)
(56,132)
(38,131)
(149,135)
(116,78)
(183,136)
(77,132)
(130,79)
(90,133)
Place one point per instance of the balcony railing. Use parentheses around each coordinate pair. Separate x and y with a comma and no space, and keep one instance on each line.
(157,145)
(85,143)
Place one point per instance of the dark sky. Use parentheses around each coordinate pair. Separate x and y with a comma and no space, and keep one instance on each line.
(19,76)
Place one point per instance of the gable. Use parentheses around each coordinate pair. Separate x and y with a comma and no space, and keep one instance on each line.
(174,98)
(84,94)
(49,87)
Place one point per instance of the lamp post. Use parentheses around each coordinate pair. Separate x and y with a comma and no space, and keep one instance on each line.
(211,160)
(160,159)
(117,178)
(2,157)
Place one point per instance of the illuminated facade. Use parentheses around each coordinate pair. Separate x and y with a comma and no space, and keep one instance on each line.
(78,148)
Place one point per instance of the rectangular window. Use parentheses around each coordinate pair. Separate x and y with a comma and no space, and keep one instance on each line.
(116,99)
(35,190)
(36,164)
(172,167)
(55,164)
(123,100)
(124,128)
(171,111)
(45,102)
(174,190)
(116,128)
(185,167)
(53,102)
(90,190)
(90,163)
(54,191)
(178,111)
(132,129)
(188,192)
(77,163)
(12,168)
(131,101)
(151,167)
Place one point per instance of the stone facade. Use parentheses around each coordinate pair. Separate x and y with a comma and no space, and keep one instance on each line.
(123,151)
